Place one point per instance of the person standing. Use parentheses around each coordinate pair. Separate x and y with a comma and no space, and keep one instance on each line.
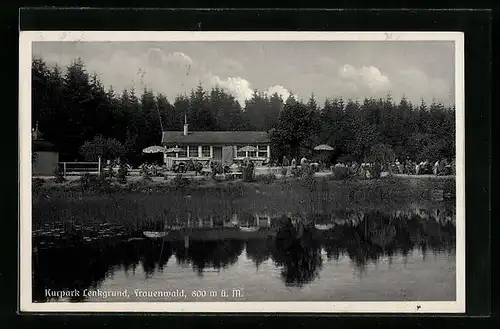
(435,169)
(285,162)
(303,161)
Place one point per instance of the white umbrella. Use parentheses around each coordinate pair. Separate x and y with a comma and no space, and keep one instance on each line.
(154,149)
(247,149)
(174,150)
(323,147)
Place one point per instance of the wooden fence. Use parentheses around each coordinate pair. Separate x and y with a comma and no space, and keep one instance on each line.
(80,168)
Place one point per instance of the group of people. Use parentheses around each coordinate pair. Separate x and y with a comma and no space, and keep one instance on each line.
(293,163)
(410,167)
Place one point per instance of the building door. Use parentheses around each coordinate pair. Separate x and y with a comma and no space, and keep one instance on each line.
(217,153)
(227,155)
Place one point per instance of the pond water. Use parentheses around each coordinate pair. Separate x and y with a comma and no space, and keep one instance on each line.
(371,255)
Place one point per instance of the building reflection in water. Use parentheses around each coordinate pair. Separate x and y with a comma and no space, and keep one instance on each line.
(295,247)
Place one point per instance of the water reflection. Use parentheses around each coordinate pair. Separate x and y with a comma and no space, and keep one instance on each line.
(294,246)
(215,255)
(298,252)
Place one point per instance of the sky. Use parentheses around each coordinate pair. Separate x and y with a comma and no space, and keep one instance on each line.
(327,69)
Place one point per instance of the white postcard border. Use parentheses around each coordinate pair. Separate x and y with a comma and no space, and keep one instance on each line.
(25,205)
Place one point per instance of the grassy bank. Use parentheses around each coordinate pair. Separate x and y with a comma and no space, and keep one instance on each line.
(143,204)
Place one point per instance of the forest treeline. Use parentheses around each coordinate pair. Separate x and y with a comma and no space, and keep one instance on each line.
(72,106)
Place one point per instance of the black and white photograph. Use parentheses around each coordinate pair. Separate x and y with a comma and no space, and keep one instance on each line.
(242,172)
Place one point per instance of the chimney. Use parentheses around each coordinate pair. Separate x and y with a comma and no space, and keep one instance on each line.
(185,126)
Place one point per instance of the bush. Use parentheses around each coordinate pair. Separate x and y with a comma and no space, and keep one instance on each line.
(284,171)
(341,173)
(106,148)
(108,171)
(122,174)
(296,172)
(59,176)
(190,165)
(36,185)
(89,182)
(137,186)
(146,173)
(93,182)
(308,170)
(267,178)
(376,170)
(249,173)
(180,182)
(230,177)
(217,168)
(308,177)
(198,167)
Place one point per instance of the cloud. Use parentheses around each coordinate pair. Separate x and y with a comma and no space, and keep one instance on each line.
(173,73)
(366,78)
(238,87)
(423,86)
(280,90)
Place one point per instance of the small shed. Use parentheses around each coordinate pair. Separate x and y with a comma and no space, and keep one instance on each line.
(45,155)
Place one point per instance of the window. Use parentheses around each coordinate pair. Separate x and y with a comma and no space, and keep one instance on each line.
(170,154)
(205,151)
(262,151)
(239,153)
(193,151)
(252,154)
(183,152)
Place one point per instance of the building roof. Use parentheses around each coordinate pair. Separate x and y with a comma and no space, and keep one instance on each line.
(43,146)
(215,137)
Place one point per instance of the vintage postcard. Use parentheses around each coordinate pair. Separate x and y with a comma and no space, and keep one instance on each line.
(311,172)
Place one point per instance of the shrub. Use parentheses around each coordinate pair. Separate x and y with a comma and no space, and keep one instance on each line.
(137,186)
(106,148)
(230,177)
(108,171)
(180,182)
(89,182)
(308,177)
(59,176)
(93,182)
(36,185)
(217,168)
(122,174)
(308,170)
(190,165)
(296,172)
(341,173)
(146,173)
(376,170)
(198,167)
(249,173)
(267,178)
(284,171)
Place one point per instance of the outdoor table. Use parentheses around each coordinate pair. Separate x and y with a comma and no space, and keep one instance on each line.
(206,172)
(235,174)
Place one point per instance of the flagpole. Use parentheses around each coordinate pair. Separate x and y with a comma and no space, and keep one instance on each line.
(159,116)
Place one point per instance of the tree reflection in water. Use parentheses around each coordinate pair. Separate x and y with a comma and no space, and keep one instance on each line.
(379,234)
(85,265)
(297,251)
(363,236)
(209,254)
(258,250)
